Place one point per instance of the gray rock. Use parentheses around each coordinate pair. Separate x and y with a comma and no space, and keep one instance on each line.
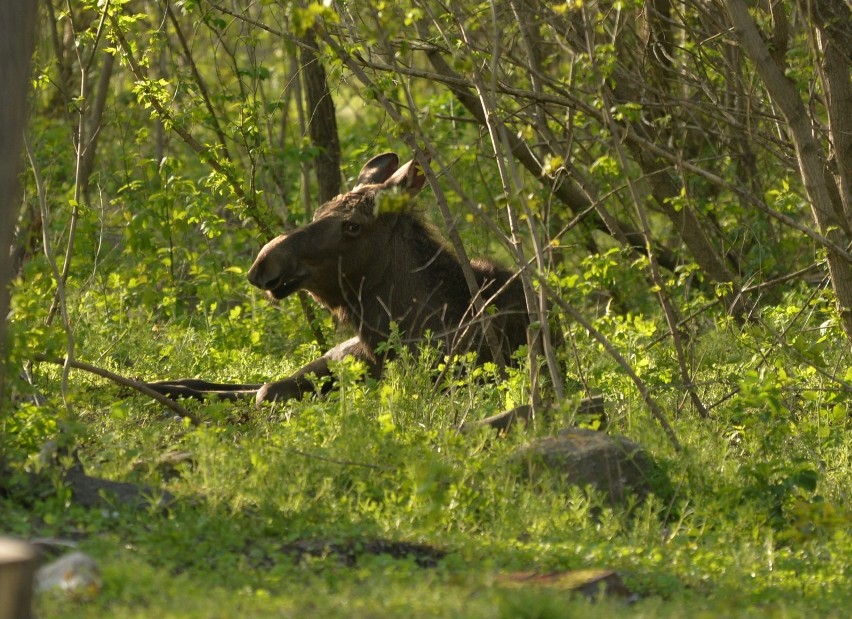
(616,466)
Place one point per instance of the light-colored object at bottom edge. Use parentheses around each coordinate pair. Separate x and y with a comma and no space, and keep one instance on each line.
(76,574)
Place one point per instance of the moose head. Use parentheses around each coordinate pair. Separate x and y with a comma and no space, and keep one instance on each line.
(344,250)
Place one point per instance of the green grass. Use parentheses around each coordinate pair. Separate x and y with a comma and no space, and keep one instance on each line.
(757,524)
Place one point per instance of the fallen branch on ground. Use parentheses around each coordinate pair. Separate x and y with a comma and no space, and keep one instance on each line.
(127,382)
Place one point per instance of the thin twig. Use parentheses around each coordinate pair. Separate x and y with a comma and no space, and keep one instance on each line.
(60,282)
(207,155)
(574,102)
(199,81)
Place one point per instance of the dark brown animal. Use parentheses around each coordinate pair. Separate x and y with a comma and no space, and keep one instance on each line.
(370,258)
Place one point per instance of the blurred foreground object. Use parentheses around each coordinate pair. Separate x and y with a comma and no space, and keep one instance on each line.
(17,566)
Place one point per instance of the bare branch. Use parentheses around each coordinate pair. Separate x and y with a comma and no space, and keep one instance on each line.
(811,159)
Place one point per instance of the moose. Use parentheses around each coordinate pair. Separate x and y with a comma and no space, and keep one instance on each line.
(372,260)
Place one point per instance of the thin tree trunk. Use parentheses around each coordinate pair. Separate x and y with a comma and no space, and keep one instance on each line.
(88,132)
(322,121)
(837,61)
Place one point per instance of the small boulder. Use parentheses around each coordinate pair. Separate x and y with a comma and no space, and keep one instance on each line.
(616,466)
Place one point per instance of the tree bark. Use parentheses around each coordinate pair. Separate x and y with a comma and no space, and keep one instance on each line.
(836,46)
(322,121)
(17,38)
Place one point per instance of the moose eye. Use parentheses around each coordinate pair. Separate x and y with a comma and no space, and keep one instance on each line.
(351,228)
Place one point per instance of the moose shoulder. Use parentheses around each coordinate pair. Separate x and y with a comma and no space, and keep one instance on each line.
(370,258)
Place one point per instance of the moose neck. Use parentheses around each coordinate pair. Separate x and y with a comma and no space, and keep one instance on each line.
(416,287)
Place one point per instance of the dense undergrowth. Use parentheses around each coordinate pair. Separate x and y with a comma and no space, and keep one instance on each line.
(755,521)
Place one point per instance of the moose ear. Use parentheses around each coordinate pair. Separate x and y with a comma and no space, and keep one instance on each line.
(378,169)
(408,178)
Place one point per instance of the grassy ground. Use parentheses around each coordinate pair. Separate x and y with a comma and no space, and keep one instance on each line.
(282,512)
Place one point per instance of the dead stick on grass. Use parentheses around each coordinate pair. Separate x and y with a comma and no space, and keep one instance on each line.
(127,382)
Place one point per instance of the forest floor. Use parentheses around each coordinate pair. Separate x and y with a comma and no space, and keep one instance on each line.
(368,503)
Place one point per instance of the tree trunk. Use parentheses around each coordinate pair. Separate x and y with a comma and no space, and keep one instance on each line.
(322,121)
(17,23)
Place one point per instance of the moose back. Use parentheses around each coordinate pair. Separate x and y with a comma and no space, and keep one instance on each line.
(369,257)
